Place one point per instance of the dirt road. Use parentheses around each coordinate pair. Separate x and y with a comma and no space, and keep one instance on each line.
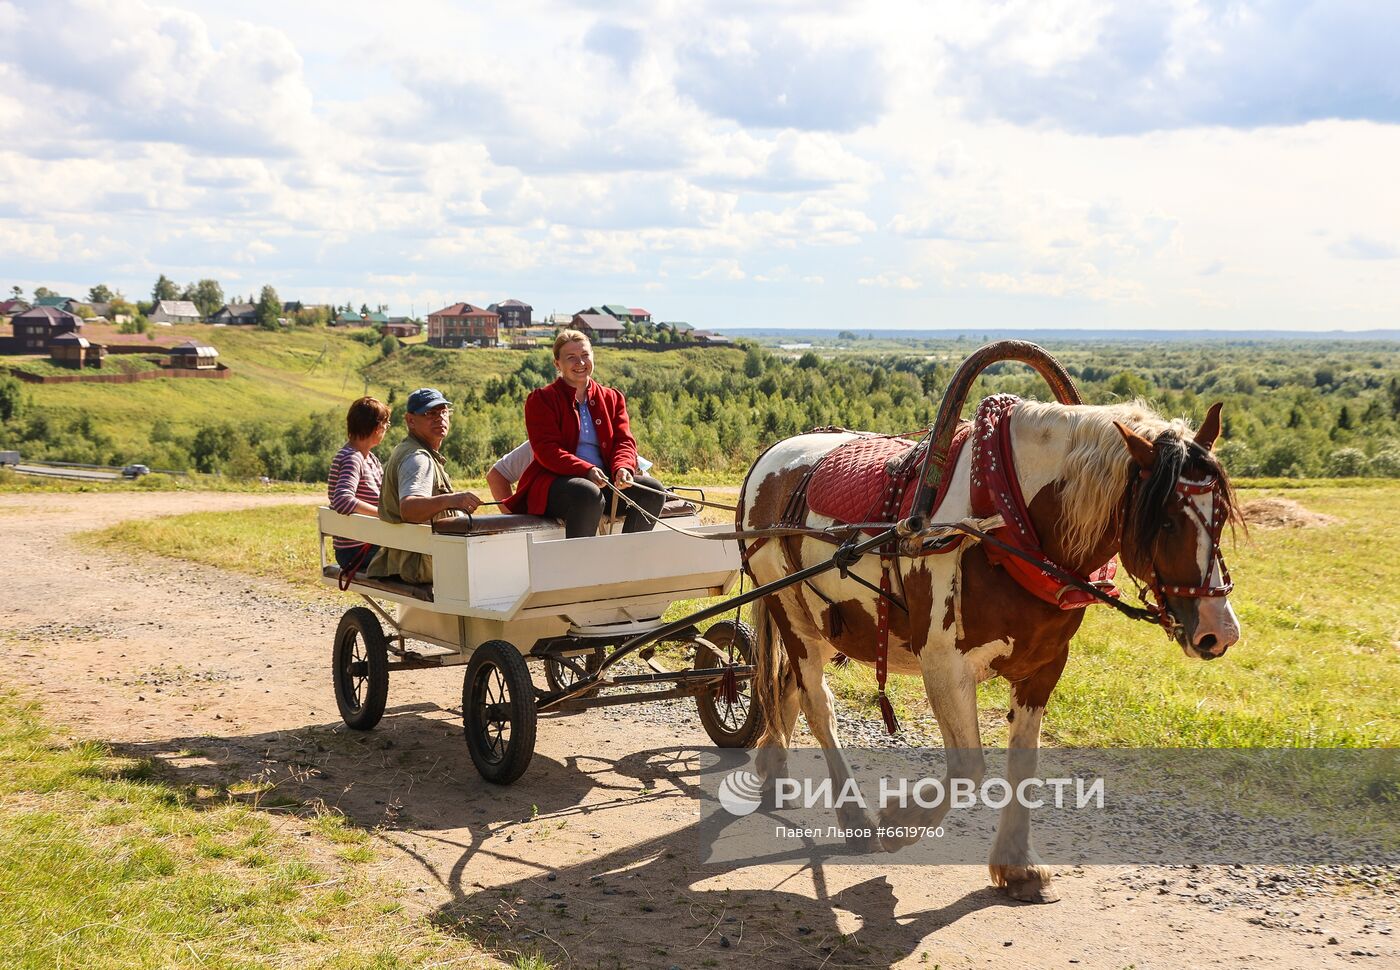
(589,858)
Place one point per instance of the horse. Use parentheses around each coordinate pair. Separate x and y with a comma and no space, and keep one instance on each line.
(1101,481)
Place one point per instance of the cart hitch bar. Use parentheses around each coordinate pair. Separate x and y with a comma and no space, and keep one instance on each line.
(845,556)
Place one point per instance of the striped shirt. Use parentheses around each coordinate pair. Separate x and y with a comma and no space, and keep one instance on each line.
(353,476)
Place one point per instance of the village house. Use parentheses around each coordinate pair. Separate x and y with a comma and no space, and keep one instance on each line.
(57,302)
(401,327)
(9,308)
(639,315)
(601,328)
(174,311)
(71,350)
(514,314)
(463,325)
(193,355)
(35,328)
(236,314)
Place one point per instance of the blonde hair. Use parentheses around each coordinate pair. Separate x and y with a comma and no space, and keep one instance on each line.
(1097,464)
(568,337)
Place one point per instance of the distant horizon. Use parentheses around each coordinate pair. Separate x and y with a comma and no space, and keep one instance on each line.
(973,332)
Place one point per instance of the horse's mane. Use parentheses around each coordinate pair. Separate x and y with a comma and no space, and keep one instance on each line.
(1096,467)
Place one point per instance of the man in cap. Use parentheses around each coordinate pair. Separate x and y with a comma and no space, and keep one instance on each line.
(416,487)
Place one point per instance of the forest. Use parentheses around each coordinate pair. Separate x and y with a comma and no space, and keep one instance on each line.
(1292,409)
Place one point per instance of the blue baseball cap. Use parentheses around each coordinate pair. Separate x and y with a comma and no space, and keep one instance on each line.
(425,399)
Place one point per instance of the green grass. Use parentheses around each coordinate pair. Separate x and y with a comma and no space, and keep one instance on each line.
(1317,665)
(112,364)
(104,864)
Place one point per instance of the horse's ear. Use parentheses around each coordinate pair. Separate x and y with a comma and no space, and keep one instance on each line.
(1210,428)
(1139,447)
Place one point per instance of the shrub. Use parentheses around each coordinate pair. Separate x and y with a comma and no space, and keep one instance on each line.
(1386,464)
(1347,463)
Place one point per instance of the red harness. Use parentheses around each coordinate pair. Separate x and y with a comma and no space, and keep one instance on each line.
(995,489)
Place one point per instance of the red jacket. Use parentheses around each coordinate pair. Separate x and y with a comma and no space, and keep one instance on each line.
(551,421)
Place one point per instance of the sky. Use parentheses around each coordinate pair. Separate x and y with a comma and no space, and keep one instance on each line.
(1027,163)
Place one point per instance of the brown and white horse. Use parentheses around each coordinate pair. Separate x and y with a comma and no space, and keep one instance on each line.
(1098,481)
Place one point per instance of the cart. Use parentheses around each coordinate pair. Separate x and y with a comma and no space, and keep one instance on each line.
(509,591)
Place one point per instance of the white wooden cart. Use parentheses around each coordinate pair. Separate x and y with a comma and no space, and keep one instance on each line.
(508,589)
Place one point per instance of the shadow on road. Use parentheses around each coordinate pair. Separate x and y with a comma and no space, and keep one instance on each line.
(537,867)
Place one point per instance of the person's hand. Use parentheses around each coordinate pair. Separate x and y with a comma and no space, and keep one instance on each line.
(468,502)
(623,478)
(597,476)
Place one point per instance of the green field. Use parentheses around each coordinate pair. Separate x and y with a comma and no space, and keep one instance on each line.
(1317,665)
(103,863)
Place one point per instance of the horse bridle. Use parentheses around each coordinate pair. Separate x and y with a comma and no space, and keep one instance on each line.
(1185,491)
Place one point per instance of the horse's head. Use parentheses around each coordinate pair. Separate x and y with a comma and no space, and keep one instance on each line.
(1174,510)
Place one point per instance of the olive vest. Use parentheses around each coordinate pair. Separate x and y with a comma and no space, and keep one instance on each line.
(413,567)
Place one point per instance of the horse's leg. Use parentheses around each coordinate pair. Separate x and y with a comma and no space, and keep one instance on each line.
(951,685)
(808,653)
(777,681)
(1014,864)
(819,707)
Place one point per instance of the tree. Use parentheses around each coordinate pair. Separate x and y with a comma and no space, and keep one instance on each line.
(364,309)
(388,345)
(753,362)
(42,291)
(165,289)
(269,309)
(100,294)
(208,295)
(11,403)
(16,292)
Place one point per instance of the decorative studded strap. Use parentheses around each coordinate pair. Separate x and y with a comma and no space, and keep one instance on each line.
(996,489)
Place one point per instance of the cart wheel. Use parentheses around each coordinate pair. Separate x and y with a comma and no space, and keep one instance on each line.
(561,673)
(498,712)
(360,669)
(736,725)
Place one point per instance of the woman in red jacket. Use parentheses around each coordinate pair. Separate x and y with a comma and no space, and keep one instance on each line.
(581,437)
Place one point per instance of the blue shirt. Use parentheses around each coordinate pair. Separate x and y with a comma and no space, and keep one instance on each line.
(588,448)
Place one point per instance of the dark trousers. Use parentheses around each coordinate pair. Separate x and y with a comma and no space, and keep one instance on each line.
(581,505)
(361,554)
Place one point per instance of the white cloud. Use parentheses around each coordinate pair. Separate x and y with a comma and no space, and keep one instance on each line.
(723,269)
(800,165)
(130,71)
(891,281)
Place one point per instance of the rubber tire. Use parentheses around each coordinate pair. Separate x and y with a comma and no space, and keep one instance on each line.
(360,623)
(499,656)
(747,733)
(552,669)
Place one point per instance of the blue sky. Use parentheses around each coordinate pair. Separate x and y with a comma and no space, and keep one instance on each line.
(1033,164)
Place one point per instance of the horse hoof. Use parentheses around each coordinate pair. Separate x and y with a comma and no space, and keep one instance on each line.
(1032,891)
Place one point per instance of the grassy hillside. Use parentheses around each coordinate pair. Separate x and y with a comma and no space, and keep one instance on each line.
(276,377)
(279,382)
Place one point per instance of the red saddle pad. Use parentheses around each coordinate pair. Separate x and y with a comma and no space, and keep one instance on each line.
(850,485)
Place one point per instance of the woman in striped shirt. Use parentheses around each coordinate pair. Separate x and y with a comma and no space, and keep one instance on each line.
(356,475)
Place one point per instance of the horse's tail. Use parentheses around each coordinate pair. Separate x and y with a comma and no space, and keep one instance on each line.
(768,674)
